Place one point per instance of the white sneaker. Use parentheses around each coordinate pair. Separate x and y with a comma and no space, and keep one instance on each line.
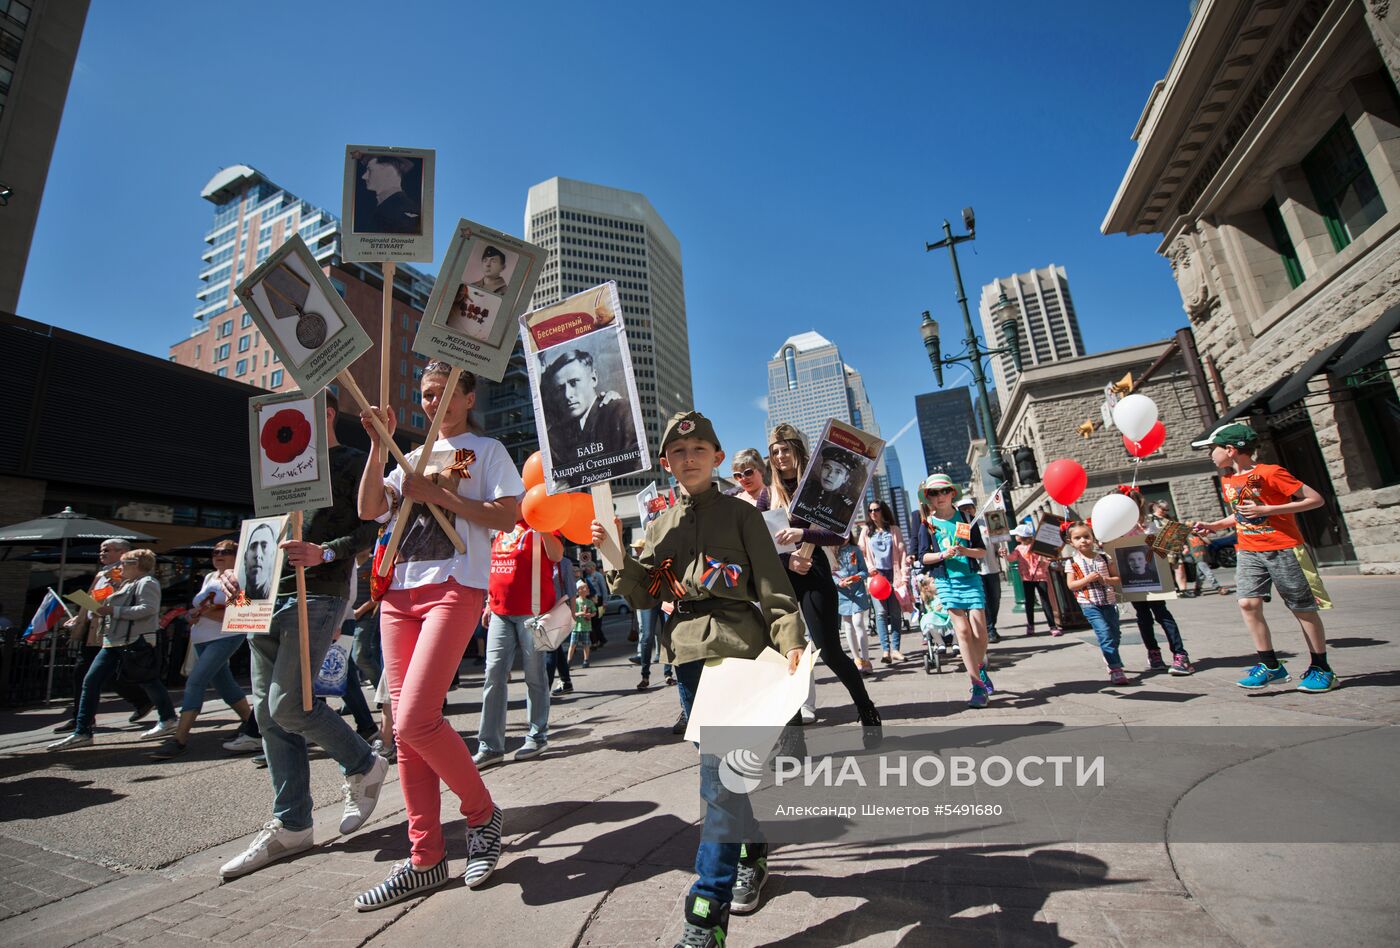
(243,743)
(273,842)
(362,794)
(161,729)
(72,740)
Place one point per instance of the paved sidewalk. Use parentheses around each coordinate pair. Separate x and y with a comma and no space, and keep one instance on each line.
(103,847)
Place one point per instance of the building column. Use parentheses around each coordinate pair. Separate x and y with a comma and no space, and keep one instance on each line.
(1375,121)
(1307,228)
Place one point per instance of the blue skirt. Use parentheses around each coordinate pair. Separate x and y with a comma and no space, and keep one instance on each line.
(961,592)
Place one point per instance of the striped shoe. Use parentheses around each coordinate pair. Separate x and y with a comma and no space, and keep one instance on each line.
(404,882)
(483,849)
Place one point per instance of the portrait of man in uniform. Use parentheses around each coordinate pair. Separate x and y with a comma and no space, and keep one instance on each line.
(837,478)
(1138,568)
(388,200)
(584,419)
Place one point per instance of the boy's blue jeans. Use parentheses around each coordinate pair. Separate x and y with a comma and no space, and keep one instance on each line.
(716,863)
(1104,620)
(649,621)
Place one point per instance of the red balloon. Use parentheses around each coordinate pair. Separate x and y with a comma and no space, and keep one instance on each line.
(545,512)
(1065,481)
(1150,442)
(533,471)
(579,525)
(880,587)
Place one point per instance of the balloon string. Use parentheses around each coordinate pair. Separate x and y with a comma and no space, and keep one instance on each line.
(1136,462)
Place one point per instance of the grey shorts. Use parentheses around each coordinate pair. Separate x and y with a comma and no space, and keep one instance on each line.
(1257,570)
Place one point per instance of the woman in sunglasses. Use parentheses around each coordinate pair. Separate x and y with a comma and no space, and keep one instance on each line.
(811,575)
(748,473)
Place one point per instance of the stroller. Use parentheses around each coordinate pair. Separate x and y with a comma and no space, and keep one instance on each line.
(936,626)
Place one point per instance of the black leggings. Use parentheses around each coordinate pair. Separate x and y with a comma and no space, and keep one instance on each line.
(816,597)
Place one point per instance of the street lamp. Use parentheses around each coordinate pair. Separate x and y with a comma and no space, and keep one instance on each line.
(1004,313)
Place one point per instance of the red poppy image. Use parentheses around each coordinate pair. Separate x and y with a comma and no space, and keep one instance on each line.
(285,435)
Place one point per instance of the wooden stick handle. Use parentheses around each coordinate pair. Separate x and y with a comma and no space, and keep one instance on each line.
(303,633)
(603,512)
(386,350)
(346,379)
(806,550)
(387,563)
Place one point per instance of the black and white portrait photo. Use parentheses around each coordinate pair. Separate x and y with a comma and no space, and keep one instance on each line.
(389,196)
(259,558)
(1137,567)
(387,211)
(834,488)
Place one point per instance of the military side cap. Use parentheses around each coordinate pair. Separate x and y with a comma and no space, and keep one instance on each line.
(1231,434)
(688,424)
(840,456)
(786,432)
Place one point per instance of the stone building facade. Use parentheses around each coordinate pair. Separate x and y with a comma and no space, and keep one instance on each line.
(1051,402)
(1268,159)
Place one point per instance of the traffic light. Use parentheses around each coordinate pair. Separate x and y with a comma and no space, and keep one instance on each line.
(1025,466)
(996,469)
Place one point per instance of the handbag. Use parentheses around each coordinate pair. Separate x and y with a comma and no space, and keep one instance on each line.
(551,629)
(138,662)
(335,670)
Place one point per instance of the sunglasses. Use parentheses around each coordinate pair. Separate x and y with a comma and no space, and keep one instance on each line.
(746,472)
(943,490)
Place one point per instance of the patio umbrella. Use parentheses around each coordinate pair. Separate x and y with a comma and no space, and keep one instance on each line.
(59,528)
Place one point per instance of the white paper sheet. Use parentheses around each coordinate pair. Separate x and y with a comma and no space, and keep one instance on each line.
(778,520)
(750,692)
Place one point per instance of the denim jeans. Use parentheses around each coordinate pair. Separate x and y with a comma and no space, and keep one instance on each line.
(354,694)
(103,667)
(211,668)
(367,651)
(716,863)
(503,636)
(1104,621)
(889,621)
(649,621)
(557,662)
(134,695)
(1146,612)
(1208,581)
(286,728)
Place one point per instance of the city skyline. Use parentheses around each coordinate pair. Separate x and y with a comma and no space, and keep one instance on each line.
(754,221)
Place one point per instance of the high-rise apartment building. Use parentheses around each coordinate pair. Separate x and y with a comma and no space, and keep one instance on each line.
(1049,329)
(252,217)
(38,46)
(895,495)
(947,426)
(595,234)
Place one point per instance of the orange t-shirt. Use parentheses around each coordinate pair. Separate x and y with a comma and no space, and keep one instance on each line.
(1266,484)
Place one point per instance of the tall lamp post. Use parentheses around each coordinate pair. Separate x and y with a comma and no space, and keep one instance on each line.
(1004,314)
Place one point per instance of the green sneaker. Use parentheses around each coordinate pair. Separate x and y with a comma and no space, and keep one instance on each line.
(705,923)
(1316,680)
(753,873)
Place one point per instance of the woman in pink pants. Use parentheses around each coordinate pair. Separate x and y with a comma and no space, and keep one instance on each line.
(427,617)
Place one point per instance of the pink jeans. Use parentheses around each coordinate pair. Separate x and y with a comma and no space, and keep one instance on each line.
(425,633)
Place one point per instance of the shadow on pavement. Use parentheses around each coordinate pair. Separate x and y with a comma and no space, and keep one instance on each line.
(34,798)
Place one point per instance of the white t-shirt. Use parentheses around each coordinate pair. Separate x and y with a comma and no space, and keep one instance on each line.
(206,629)
(426,555)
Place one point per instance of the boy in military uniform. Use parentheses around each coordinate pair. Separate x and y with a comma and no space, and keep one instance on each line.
(713,557)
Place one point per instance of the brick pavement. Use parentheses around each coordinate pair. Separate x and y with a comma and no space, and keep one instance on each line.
(601,832)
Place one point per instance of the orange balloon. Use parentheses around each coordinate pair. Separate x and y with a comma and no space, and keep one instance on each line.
(533,473)
(544,512)
(579,525)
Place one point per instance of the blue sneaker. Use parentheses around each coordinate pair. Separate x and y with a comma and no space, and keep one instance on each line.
(986,680)
(1261,677)
(1315,681)
(979,697)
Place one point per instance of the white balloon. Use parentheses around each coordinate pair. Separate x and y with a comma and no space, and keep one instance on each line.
(1113,516)
(1135,416)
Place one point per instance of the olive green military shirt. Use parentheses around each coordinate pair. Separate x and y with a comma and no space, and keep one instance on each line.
(738,599)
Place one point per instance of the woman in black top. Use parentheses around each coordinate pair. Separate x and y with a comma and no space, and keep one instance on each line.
(811,576)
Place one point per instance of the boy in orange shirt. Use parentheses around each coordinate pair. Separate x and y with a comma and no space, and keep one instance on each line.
(1265,498)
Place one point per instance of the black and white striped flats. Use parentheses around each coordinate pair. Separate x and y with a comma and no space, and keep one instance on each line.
(404,882)
(483,849)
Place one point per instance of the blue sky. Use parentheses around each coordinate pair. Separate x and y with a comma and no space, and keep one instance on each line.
(802,153)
